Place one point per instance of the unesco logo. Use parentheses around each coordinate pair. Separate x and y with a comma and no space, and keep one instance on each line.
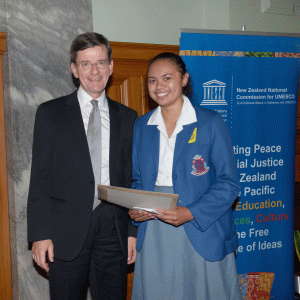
(214,93)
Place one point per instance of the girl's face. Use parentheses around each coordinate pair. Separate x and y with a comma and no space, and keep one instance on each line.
(165,83)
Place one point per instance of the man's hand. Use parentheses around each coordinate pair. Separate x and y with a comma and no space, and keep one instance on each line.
(131,250)
(140,215)
(39,251)
(176,217)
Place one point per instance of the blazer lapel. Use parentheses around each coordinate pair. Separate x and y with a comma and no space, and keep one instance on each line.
(75,117)
(182,140)
(153,135)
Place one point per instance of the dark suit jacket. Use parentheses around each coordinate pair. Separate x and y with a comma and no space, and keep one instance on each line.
(61,191)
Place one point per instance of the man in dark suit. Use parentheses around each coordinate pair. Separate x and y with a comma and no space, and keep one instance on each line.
(76,238)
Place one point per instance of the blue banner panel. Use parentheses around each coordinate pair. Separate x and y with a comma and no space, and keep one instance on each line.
(252,81)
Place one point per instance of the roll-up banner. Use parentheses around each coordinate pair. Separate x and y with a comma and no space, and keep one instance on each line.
(252,80)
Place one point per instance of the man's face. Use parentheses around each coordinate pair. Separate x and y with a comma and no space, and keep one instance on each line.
(93,69)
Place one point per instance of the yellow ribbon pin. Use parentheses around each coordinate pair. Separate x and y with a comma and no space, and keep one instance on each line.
(193,137)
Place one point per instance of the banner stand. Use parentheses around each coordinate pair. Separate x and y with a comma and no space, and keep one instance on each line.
(252,80)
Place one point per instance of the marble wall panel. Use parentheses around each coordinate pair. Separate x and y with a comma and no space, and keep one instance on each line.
(3,18)
(37,69)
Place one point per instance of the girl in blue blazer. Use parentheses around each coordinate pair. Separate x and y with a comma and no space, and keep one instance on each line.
(188,252)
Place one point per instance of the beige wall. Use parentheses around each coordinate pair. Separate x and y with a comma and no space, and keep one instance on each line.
(157,21)
(160,21)
(248,13)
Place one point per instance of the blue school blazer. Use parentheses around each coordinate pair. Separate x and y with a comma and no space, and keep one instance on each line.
(204,175)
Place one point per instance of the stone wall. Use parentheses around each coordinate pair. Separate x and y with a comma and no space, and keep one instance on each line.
(36,69)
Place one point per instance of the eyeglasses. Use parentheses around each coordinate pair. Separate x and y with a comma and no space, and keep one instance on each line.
(100,64)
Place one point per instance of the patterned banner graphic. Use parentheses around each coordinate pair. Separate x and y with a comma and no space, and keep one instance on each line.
(252,81)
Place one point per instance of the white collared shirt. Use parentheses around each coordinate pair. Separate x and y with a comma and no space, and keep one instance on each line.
(86,108)
(167,145)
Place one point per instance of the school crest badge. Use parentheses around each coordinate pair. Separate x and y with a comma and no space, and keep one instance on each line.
(199,166)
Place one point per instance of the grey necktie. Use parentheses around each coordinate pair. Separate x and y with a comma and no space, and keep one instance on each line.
(94,141)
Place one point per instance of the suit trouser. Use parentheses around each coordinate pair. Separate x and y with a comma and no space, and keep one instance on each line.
(101,264)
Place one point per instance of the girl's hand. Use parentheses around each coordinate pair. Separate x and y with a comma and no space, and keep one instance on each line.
(140,215)
(176,217)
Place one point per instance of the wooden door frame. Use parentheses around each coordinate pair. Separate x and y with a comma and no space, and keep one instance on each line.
(139,51)
(130,66)
(5,259)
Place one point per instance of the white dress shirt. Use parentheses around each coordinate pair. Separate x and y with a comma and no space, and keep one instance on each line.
(86,108)
(166,144)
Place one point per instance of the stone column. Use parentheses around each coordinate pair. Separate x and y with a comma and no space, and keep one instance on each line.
(36,69)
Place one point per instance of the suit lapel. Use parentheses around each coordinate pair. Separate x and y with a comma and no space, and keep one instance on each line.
(114,142)
(76,122)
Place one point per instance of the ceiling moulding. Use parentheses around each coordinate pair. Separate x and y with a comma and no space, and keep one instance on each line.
(278,7)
